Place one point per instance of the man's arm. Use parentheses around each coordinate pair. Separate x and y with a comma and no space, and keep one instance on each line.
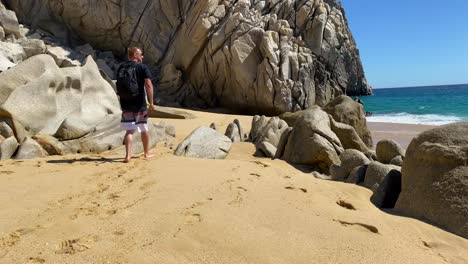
(149,92)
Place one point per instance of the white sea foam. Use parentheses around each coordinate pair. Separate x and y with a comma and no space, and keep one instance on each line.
(406,118)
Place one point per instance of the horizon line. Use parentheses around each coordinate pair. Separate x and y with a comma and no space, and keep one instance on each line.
(396,87)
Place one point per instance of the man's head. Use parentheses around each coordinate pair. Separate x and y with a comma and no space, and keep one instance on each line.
(135,54)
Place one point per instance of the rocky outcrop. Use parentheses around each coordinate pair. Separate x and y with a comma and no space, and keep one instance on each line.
(344,110)
(235,132)
(43,97)
(350,159)
(257,56)
(204,142)
(435,178)
(389,151)
(54,111)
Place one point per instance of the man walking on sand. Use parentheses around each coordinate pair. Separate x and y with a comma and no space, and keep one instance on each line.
(133,77)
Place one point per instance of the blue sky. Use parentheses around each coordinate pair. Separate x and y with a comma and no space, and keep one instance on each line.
(411,43)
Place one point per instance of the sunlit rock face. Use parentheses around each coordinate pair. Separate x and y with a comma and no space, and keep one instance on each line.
(252,56)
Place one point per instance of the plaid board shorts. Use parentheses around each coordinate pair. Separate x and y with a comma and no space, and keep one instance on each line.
(135,120)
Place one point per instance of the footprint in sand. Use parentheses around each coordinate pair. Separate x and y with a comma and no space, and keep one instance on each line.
(147,185)
(256,174)
(261,163)
(370,228)
(345,204)
(73,246)
(11,239)
(35,260)
(304,190)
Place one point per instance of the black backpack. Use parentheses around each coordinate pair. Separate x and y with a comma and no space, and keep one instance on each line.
(127,82)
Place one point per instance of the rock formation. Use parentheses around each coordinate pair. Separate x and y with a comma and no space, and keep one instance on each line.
(47,110)
(206,143)
(257,56)
(435,178)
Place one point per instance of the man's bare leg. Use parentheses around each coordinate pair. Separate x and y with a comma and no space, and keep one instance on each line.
(128,145)
(145,141)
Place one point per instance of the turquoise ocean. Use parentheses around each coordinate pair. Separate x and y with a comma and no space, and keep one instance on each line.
(430,105)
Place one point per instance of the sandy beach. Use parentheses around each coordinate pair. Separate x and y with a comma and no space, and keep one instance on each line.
(169,209)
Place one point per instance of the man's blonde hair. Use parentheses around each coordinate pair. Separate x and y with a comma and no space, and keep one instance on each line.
(132,50)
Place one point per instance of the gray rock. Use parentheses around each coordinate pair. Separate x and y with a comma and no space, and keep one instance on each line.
(86,50)
(348,136)
(5,130)
(357,175)
(206,143)
(267,148)
(258,122)
(213,126)
(102,65)
(33,47)
(376,173)
(267,130)
(435,178)
(312,142)
(344,110)
(282,143)
(59,54)
(9,22)
(164,112)
(350,159)
(387,149)
(50,144)
(40,96)
(8,148)
(238,55)
(13,52)
(398,160)
(371,154)
(2,33)
(241,130)
(320,176)
(30,149)
(73,128)
(232,132)
(388,191)
(5,63)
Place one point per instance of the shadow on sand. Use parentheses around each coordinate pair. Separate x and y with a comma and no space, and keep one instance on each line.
(88,159)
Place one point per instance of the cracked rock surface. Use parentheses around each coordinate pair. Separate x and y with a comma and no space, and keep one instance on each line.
(268,56)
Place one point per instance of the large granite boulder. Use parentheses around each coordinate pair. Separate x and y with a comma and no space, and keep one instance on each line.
(42,97)
(348,136)
(9,22)
(350,159)
(5,63)
(385,183)
(5,130)
(387,150)
(435,178)
(8,148)
(254,56)
(312,142)
(266,134)
(235,132)
(206,143)
(33,47)
(12,52)
(344,110)
(30,149)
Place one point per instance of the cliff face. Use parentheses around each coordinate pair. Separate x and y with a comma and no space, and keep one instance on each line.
(268,56)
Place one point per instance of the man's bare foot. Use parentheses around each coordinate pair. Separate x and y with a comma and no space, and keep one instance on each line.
(126,160)
(149,155)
